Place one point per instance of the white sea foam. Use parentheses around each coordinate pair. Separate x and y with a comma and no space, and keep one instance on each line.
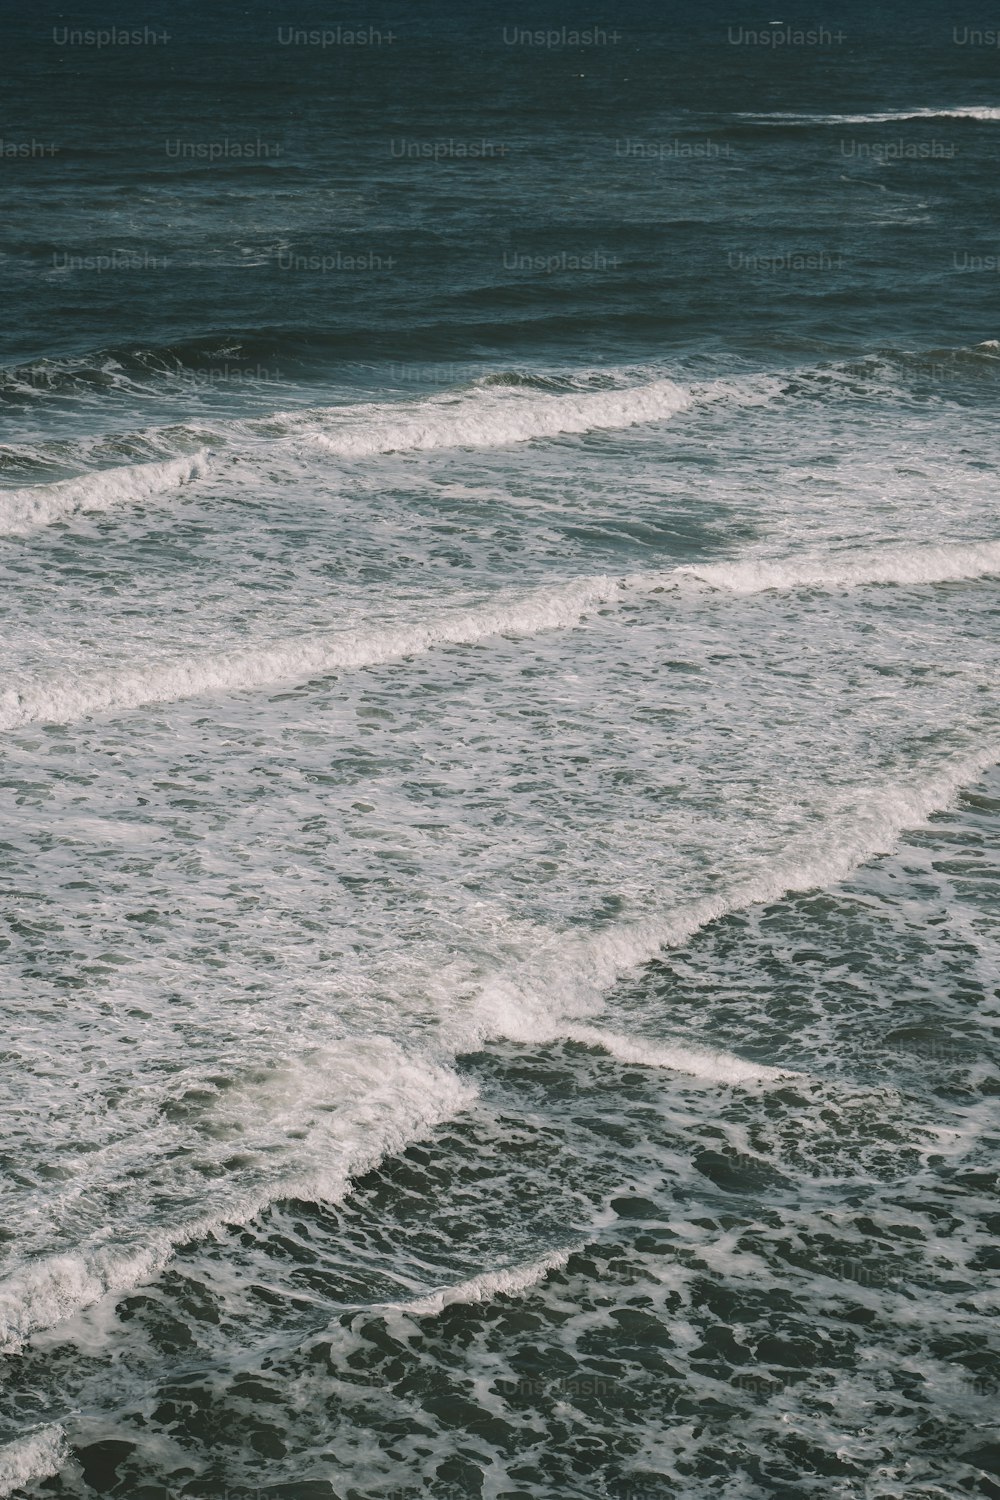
(554,607)
(507,1282)
(484,416)
(698,1062)
(51,1290)
(396,1097)
(40,505)
(984,112)
(573,976)
(37,1456)
(63,699)
(902,565)
(492,419)
(385,1099)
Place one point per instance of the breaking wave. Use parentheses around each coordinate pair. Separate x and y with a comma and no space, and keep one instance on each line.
(546,999)
(40,505)
(507,1282)
(982,112)
(386,1099)
(37,1456)
(902,565)
(115,690)
(492,419)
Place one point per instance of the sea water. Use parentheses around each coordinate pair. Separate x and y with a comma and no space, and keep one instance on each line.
(499,739)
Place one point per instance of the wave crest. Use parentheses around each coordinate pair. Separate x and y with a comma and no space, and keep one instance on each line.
(981,112)
(507,1282)
(23,510)
(900,565)
(384,1096)
(489,420)
(558,607)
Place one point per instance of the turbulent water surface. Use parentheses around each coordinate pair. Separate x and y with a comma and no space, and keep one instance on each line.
(499,853)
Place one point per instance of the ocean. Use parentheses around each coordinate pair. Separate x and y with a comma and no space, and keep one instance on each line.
(500,753)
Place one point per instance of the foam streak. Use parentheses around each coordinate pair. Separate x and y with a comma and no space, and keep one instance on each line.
(563,606)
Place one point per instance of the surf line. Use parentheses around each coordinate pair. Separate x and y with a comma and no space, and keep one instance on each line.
(561,606)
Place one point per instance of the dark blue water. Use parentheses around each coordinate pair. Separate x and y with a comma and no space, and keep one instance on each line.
(558,128)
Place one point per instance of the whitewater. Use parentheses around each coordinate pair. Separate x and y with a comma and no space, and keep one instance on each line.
(443,841)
